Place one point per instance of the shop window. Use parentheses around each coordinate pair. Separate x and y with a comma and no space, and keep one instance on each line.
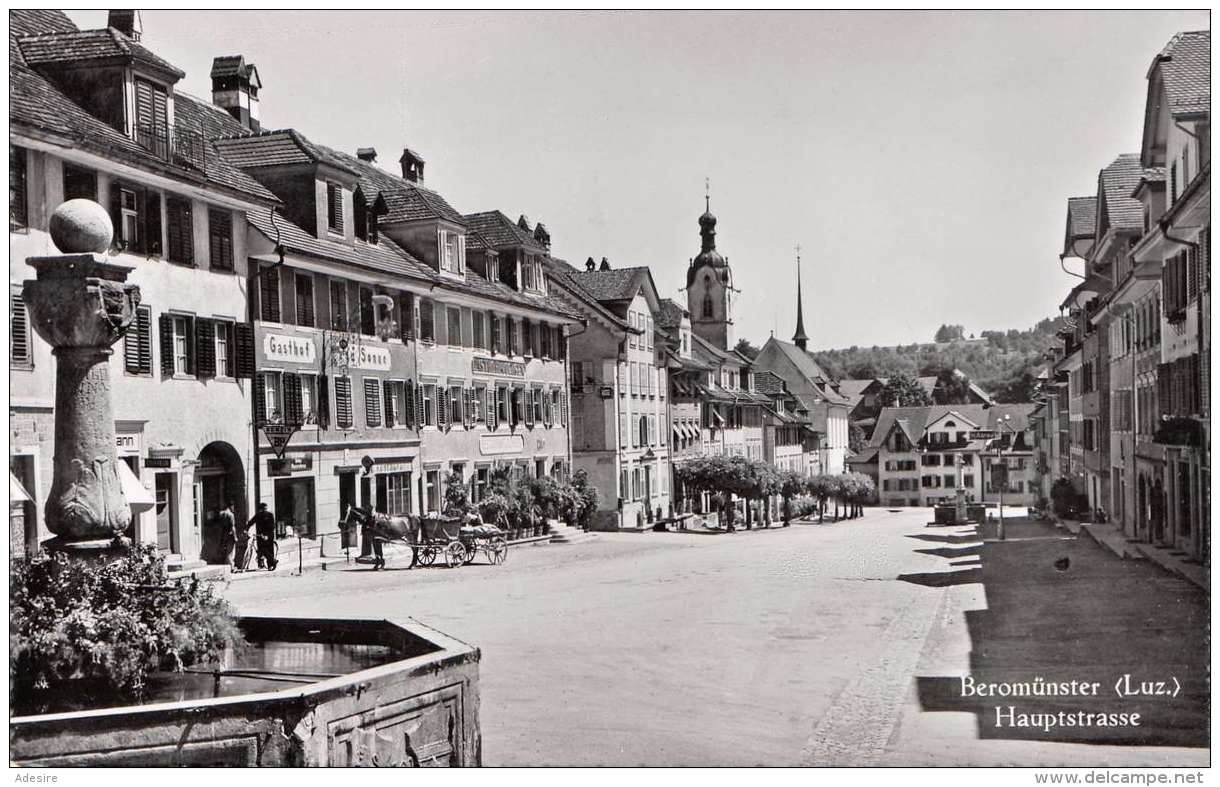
(394,493)
(432,489)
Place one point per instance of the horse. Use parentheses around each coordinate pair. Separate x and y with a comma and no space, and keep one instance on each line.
(381,528)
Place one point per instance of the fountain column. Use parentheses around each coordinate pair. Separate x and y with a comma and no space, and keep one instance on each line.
(81,304)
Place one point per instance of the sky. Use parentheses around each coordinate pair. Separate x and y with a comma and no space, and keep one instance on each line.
(922,160)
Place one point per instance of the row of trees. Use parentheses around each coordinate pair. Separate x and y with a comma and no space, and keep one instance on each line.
(756,481)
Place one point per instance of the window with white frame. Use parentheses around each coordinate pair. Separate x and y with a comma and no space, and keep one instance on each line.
(429,399)
(395,403)
(457,411)
(479,404)
(181,345)
(272,395)
(453,251)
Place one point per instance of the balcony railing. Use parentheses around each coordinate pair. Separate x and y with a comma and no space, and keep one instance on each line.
(180,147)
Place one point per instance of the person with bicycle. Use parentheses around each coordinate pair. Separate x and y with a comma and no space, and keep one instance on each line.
(264,531)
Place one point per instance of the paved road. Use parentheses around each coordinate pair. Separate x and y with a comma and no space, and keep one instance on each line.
(798,646)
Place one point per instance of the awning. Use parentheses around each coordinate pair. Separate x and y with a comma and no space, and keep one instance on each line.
(678,433)
(16,492)
(139,498)
(718,417)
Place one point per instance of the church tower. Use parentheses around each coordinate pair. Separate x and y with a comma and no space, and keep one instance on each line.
(709,289)
(799,338)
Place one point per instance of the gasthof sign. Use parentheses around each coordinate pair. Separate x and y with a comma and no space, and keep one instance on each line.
(481,365)
(293,349)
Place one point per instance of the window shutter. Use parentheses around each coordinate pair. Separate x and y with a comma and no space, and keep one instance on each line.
(190,345)
(426,325)
(468,411)
(293,407)
(406,305)
(152,222)
(19,350)
(260,398)
(116,211)
(442,406)
(372,403)
(323,404)
(419,406)
(243,339)
(167,344)
(563,407)
(179,234)
(387,391)
(527,399)
(269,294)
(205,348)
(343,402)
(408,390)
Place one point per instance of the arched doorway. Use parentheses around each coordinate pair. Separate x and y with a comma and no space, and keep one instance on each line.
(219,479)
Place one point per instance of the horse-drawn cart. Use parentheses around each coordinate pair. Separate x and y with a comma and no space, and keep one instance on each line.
(458,541)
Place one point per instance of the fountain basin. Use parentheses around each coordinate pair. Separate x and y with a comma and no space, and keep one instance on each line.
(306,692)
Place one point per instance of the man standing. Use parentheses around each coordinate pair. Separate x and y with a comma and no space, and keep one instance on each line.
(264,531)
(226,523)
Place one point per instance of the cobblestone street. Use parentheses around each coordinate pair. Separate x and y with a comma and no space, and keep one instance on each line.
(816,645)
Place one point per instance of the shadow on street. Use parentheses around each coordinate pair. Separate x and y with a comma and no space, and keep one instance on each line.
(1097,620)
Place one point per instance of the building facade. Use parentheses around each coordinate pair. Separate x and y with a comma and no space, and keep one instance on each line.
(95,115)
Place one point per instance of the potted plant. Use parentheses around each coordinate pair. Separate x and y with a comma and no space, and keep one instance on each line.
(99,632)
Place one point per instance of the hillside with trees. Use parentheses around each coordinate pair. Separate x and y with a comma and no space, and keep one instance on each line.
(1003,363)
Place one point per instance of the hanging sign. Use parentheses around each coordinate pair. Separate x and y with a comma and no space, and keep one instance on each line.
(279,435)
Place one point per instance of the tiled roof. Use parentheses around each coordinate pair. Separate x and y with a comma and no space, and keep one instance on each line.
(613,285)
(500,231)
(384,256)
(913,420)
(670,314)
(560,272)
(1082,216)
(231,66)
(277,148)
(716,354)
(1115,185)
(37,105)
(1185,67)
(867,455)
(500,291)
(810,369)
(769,382)
(90,45)
(405,201)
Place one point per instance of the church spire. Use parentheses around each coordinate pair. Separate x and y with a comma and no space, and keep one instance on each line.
(799,338)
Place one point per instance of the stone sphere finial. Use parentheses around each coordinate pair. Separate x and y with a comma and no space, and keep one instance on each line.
(81,226)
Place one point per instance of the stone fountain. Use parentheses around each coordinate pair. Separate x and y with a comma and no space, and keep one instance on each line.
(81,304)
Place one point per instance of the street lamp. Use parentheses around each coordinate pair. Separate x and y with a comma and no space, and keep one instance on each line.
(1003,421)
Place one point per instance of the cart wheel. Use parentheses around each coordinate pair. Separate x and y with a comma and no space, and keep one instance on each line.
(427,556)
(471,551)
(455,554)
(497,551)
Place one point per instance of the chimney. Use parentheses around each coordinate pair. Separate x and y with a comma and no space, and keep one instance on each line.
(412,166)
(126,22)
(542,236)
(235,86)
(605,266)
(590,265)
(367,155)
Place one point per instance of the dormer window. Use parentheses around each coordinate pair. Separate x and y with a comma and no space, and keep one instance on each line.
(453,252)
(531,274)
(334,208)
